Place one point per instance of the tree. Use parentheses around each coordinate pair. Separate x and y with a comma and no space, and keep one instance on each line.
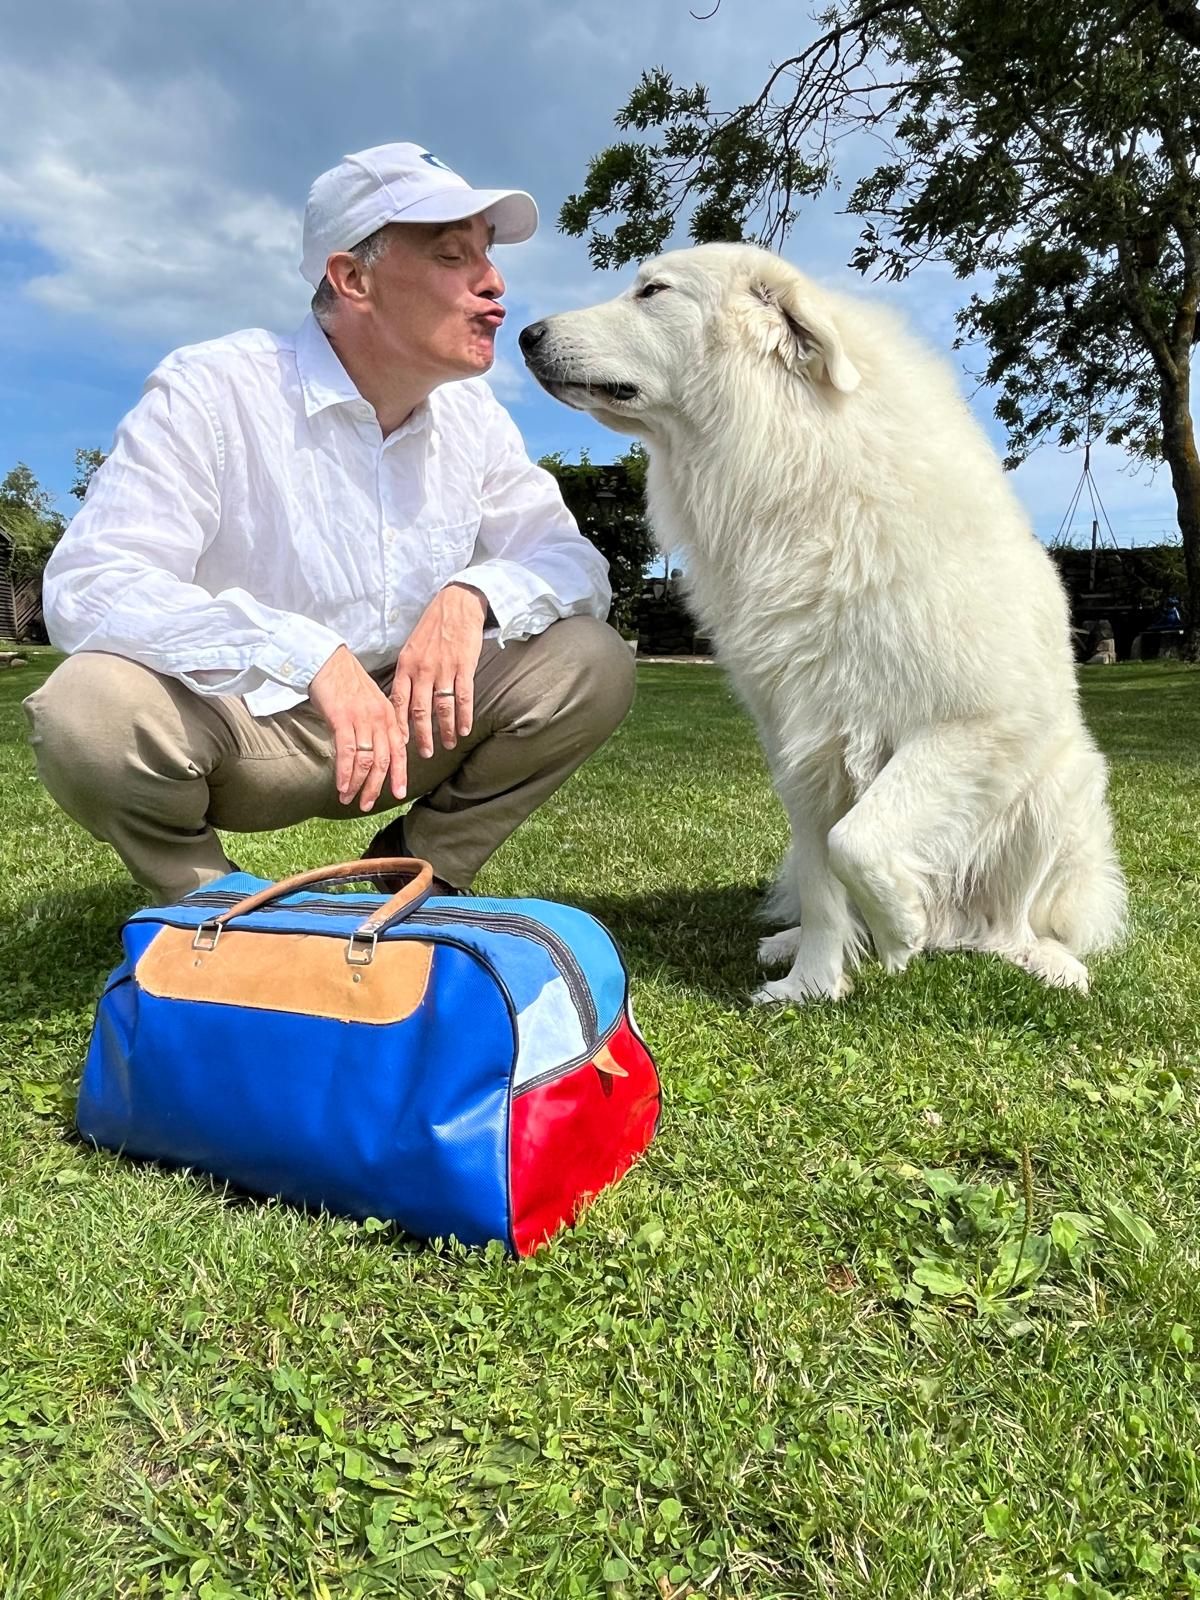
(1050,154)
(87,464)
(608,504)
(28,516)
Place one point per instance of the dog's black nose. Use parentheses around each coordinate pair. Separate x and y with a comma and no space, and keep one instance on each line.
(532,336)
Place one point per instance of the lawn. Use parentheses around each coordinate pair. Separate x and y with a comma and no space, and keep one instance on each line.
(828,1338)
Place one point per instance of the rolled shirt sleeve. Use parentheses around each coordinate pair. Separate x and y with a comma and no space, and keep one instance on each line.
(122,577)
(530,561)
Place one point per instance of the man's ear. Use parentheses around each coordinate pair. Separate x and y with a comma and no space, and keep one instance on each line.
(346,276)
(805,340)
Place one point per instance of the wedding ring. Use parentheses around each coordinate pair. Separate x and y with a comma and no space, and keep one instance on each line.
(369,747)
(440,694)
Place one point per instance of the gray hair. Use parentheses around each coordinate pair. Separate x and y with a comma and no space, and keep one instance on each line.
(366,252)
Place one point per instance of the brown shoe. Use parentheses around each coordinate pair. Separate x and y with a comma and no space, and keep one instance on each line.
(390,841)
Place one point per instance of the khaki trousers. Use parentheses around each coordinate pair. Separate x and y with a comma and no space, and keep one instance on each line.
(152,768)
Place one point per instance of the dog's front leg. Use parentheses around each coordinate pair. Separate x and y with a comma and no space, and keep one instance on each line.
(828,927)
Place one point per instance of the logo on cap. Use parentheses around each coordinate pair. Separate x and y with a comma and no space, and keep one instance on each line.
(433,161)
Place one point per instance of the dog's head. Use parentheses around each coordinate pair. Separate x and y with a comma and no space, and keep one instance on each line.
(654,352)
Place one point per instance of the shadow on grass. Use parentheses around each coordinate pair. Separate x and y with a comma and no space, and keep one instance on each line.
(366,1233)
(705,939)
(704,936)
(57,949)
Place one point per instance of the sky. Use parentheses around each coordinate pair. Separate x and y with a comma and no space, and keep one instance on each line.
(155,156)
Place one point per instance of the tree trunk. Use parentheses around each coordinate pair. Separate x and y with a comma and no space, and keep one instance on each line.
(1179,452)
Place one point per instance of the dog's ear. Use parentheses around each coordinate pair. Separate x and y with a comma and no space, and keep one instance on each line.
(805,339)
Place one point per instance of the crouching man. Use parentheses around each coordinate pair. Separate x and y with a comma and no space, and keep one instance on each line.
(319,574)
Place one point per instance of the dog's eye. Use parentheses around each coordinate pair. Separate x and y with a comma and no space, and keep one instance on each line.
(648,289)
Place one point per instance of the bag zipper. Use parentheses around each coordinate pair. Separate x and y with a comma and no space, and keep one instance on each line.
(556,948)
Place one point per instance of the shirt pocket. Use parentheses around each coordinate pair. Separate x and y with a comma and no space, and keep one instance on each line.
(452,544)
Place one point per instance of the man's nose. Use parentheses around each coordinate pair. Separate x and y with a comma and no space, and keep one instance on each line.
(531,337)
(493,285)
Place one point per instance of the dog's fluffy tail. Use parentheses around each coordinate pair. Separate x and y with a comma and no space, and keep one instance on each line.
(1083,904)
(1082,900)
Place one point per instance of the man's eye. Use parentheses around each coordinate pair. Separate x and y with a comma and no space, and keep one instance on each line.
(648,289)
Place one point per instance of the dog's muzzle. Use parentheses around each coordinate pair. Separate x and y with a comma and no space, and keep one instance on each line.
(561,381)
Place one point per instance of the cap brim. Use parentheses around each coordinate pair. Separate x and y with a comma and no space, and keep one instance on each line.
(512,212)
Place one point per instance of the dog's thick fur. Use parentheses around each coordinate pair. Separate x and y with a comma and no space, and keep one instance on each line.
(881,604)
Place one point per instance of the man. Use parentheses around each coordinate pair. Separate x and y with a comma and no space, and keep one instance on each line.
(319,575)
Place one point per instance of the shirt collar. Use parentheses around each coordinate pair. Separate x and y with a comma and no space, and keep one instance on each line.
(325,382)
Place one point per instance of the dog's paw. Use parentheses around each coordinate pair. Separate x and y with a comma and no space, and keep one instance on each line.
(779,949)
(895,957)
(1054,964)
(801,991)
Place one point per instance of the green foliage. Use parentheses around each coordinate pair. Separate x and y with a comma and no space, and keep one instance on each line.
(1049,154)
(608,503)
(87,464)
(28,517)
(734,167)
(818,1342)
(1058,159)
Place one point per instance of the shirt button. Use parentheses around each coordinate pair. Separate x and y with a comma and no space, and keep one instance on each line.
(394,614)
(389,536)
(287,666)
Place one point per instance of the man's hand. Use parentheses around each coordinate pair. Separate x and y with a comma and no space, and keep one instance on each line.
(368,741)
(434,684)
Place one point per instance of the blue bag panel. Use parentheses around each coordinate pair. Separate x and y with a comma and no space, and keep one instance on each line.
(593,946)
(109,1048)
(405,1120)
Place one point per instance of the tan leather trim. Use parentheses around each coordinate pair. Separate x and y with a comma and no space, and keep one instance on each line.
(604,1061)
(303,972)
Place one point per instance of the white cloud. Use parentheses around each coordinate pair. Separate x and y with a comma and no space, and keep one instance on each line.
(550,273)
(137,198)
(128,194)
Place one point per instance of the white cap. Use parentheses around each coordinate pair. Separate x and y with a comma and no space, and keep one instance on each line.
(400,183)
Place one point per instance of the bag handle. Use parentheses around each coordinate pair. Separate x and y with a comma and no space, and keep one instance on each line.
(361,947)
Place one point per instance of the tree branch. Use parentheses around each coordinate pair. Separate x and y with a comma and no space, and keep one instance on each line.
(1182,19)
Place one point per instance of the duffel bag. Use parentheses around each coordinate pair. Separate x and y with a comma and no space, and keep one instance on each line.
(461,1066)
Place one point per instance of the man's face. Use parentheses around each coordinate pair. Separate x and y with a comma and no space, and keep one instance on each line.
(434,299)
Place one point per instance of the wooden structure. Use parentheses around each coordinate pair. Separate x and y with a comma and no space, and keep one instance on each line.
(8,596)
(20,600)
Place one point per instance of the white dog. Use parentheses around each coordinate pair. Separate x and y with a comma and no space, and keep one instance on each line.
(883,608)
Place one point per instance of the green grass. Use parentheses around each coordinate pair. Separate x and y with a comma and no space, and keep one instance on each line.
(811,1346)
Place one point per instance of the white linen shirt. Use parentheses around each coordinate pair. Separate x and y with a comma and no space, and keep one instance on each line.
(252,518)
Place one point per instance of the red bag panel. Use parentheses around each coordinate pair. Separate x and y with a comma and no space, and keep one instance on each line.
(574,1136)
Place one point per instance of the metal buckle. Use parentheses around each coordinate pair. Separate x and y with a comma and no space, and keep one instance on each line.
(361,955)
(207,935)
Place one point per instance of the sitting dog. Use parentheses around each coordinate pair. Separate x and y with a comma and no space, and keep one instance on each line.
(881,605)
